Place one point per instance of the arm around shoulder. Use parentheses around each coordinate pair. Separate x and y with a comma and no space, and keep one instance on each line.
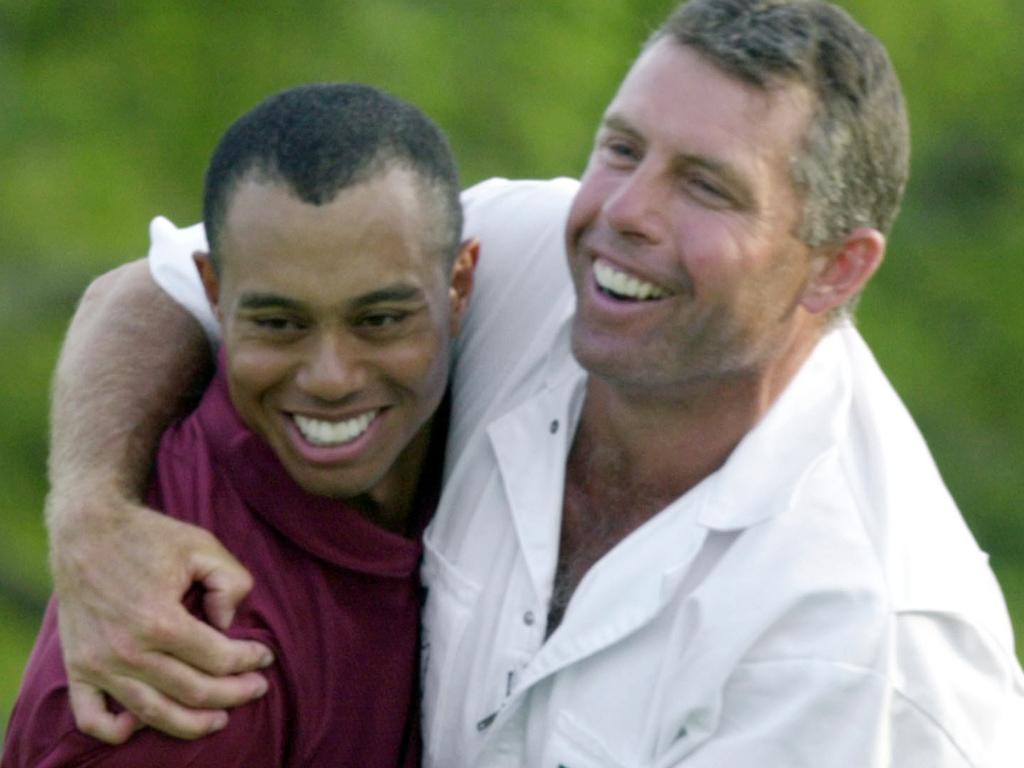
(132,361)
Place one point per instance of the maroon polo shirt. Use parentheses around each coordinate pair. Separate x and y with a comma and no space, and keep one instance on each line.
(336,598)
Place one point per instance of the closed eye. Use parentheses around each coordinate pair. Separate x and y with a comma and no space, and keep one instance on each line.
(708,190)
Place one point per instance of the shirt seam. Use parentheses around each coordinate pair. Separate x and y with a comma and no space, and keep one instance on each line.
(886,679)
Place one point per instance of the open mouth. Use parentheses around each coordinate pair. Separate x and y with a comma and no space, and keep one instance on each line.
(321,432)
(623,286)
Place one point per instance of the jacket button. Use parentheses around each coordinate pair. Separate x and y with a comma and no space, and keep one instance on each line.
(529,618)
(554,426)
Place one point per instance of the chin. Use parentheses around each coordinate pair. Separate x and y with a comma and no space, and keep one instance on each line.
(315,484)
(598,356)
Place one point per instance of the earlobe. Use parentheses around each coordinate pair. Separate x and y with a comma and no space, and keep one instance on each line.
(461,286)
(211,282)
(840,273)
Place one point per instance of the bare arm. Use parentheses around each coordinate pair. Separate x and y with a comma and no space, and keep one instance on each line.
(132,361)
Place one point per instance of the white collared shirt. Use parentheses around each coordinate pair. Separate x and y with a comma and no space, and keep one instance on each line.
(817,601)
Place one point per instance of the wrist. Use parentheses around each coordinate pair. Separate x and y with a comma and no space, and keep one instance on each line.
(80,508)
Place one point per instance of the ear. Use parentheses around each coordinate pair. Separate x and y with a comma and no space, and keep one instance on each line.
(211,282)
(461,285)
(840,272)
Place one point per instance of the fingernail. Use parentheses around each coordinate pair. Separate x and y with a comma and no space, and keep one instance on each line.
(261,688)
(219,721)
(267,659)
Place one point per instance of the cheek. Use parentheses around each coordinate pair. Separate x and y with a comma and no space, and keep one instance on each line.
(713,248)
(594,189)
(253,369)
(421,368)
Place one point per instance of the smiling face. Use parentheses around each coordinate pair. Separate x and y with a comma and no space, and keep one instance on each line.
(681,238)
(336,321)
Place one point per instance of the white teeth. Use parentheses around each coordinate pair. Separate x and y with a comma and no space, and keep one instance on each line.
(320,432)
(624,285)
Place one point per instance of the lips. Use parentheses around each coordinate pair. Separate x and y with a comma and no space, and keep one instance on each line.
(625,286)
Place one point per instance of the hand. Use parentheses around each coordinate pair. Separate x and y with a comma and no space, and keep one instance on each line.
(120,572)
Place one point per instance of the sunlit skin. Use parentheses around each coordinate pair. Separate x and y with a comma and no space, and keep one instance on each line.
(688,188)
(339,313)
(688,192)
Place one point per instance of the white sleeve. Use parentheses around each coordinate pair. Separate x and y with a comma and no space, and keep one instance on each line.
(815,713)
(170,263)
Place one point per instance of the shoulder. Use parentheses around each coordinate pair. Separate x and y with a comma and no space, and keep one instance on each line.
(522,293)
(179,484)
(886,580)
(520,225)
(170,263)
(42,731)
(254,737)
(489,205)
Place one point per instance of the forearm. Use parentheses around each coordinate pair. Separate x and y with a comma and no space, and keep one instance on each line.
(132,361)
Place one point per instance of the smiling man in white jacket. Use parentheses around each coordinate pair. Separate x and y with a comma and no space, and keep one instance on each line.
(686,520)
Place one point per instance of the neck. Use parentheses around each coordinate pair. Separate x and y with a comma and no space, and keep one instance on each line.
(661,443)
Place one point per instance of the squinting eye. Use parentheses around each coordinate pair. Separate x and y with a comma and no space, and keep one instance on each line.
(382,319)
(276,323)
(707,188)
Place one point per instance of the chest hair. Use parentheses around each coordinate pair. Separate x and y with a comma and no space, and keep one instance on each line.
(602,505)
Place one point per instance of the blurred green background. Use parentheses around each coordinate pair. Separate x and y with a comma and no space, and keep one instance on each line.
(108,111)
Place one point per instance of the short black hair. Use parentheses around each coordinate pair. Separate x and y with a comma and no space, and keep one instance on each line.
(323,137)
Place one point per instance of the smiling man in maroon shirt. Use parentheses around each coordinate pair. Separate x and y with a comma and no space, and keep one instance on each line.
(338,277)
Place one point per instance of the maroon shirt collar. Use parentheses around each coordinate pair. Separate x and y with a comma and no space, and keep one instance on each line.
(327,528)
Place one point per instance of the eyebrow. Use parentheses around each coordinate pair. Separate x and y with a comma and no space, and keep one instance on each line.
(398,292)
(267,301)
(680,161)
(620,124)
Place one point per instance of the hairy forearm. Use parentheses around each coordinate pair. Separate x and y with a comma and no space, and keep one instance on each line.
(132,361)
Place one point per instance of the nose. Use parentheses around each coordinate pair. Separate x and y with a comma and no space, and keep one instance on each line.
(632,208)
(332,370)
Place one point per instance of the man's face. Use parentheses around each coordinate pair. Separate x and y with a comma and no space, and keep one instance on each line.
(336,322)
(680,238)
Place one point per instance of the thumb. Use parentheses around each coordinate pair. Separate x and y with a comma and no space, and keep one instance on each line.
(227,582)
(92,717)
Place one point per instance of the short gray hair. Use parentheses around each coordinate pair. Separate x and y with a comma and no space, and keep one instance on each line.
(853,166)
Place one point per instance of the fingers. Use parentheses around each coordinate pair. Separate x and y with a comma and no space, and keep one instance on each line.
(161,690)
(89,708)
(188,674)
(199,645)
(154,709)
(227,583)
(124,630)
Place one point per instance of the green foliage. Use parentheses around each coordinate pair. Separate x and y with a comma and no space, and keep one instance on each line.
(109,109)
